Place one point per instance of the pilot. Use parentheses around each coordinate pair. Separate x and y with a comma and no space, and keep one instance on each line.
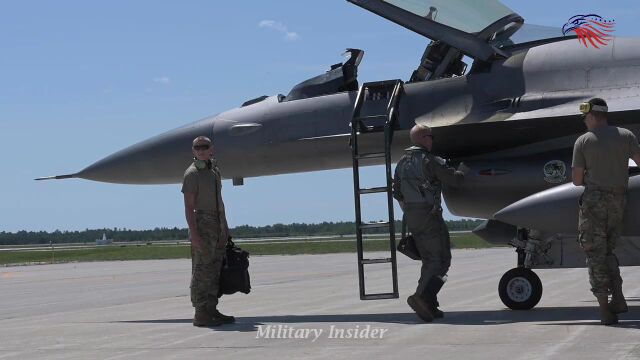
(417,185)
(208,232)
(600,164)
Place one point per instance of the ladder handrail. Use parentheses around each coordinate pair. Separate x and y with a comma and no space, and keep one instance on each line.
(389,127)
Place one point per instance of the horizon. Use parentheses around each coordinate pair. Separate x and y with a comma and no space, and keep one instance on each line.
(84,80)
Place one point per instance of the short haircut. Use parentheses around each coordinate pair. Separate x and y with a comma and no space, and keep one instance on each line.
(598,101)
(417,132)
(201,140)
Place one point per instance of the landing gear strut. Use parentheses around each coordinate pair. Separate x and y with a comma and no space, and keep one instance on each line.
(520,288)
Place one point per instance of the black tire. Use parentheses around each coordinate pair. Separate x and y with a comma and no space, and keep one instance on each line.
(520,289)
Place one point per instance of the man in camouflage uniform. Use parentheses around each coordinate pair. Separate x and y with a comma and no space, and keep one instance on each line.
(600,163)
(208,232)
(417,185)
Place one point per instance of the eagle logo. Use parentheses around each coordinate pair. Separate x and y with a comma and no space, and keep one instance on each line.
(592,28)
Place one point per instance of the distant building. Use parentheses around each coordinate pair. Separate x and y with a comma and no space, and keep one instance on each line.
(104,240)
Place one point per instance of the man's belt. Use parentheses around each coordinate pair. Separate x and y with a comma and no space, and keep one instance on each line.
(618,190)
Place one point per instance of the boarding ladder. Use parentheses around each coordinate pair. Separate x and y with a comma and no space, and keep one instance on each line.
(360,126)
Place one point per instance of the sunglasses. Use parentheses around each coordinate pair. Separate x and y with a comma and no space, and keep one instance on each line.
(201,147)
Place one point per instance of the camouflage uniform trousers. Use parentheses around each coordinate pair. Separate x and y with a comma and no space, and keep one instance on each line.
(432,241)
(599,227)
(206,263)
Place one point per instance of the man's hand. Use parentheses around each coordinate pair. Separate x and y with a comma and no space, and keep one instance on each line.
(196,241)
(464,169)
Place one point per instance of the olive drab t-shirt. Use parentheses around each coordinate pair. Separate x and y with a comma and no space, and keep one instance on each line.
(605,153)
(206,184)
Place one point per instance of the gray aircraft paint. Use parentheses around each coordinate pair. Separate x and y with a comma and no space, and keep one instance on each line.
(506,119)
(556,210)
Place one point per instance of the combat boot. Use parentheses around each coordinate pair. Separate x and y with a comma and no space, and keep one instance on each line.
(202,318)
(606,316)
(222,317)
(421,308)
(437,313)
(618,303)
(430,296)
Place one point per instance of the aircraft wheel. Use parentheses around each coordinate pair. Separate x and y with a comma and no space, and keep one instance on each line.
(520,289)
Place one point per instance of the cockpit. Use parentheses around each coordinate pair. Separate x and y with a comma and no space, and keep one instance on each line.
(483,30)
(341,77)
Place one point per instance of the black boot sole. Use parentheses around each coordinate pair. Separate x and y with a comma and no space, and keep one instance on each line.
(422,312)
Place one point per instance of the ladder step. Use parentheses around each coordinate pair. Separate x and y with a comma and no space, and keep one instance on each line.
(374,225)
(375,261)
(380,296)
(371,156)
(380,84)
(373,190)
(370,117)
(371,129)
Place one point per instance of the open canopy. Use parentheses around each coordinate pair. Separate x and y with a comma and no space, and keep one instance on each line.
(470,16)
(481,29)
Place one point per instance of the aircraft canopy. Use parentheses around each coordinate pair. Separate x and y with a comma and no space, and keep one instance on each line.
(470,16)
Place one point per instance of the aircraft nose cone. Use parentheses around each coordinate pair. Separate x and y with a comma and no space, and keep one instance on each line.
(159,160)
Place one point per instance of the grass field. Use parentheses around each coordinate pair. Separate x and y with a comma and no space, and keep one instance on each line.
(149,252)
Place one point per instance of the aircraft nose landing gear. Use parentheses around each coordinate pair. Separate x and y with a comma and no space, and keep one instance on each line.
(520,289)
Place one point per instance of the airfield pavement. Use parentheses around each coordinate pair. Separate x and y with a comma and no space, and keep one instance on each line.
(141,310)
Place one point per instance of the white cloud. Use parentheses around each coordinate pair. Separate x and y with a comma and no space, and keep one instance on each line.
(162,80)
(279,27)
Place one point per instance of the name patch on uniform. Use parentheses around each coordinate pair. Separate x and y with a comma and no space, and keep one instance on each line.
(555,171)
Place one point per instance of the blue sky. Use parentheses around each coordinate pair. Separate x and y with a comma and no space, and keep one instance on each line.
(80,80)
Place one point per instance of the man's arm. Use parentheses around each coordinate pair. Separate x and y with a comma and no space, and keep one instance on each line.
(446,174)
(578,164)
(223,216)
(190,214)
(634,149)
(397,193)
(577,175)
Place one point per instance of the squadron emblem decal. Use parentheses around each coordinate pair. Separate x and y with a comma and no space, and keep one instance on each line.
(592,28)
(555,171)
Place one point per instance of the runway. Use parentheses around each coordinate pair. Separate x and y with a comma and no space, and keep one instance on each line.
(296,309)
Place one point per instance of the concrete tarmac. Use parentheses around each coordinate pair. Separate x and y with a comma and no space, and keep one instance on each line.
(304,306)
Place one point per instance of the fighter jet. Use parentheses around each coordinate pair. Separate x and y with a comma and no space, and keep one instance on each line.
(501,95)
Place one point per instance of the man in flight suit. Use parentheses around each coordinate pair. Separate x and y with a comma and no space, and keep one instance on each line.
(208,232)
(417,185)
(601,164)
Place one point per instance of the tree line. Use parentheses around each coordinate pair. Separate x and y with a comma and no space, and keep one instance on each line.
(243,231)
